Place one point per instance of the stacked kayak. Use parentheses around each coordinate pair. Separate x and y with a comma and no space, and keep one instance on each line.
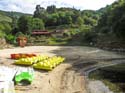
(49,63)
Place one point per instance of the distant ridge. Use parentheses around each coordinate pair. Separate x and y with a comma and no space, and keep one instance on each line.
(13,13)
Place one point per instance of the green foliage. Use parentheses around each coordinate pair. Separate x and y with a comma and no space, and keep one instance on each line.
(5,24)
(14,25)
(2,34)
(8,28)
(52,20)
(2,27)
(5,18)
(57,41)
(119,28)
(56,19)
(5,27)
(76,21)
(37,24)
(113,20)
(10,39)
(19,34)
(14,22)
(51,9)
(40,12)
(89,37)
(85,28)
(89,21)
(108,21)
(11,14)
(27,24)
(23,24)
(53,16)
(90,17)
(80,21)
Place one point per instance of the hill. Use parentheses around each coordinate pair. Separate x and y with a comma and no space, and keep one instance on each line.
(11,14)
(5,18)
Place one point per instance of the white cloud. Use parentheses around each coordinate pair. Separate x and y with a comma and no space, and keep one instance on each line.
(28,6)
(14,7)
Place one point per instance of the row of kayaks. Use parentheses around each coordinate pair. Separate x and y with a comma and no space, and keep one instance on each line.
(41,61)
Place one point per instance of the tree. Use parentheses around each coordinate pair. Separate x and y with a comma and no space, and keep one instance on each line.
(89,21)
(8,28)
(75,16)
(5,27)
(14,25)
(119,28)
(37,24)
(24,24)
(2,34)
(61,18)
(113,20)
(80,21)
(40,12)
(51,9)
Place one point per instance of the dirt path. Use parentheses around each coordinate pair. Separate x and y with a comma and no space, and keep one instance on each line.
(68,77)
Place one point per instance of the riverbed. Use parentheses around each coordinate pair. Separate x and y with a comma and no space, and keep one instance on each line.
(68,77)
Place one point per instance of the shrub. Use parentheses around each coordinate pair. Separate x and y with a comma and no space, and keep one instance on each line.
(11,39)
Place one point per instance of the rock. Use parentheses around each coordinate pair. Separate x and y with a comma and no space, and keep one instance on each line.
(2,41)
(98,87)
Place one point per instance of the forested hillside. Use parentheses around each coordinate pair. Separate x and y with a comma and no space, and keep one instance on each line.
(101,28)
(5,18)
(111,26)
(12,13)
(5,23)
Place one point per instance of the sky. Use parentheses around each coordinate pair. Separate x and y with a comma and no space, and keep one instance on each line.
(28,6)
